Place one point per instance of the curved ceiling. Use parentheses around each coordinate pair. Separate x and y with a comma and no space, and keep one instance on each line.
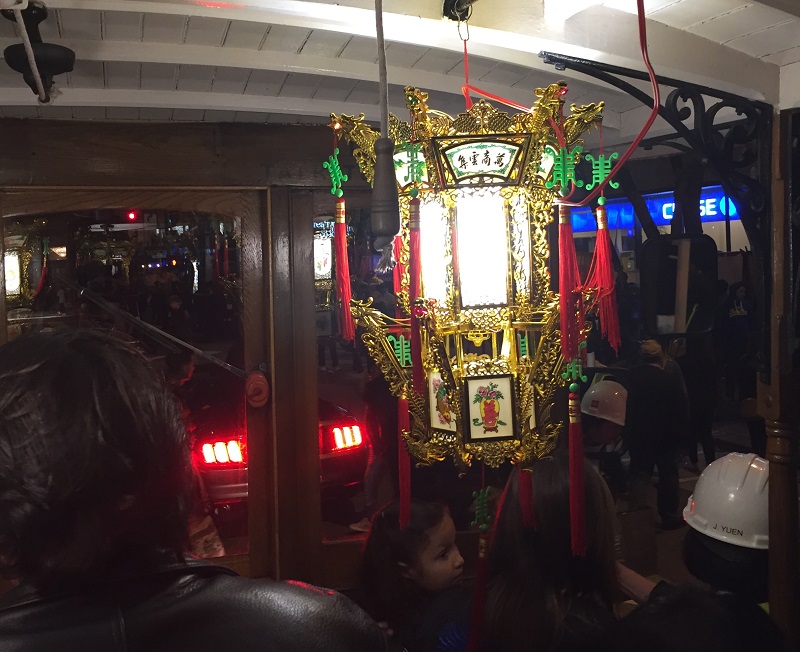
(296,61)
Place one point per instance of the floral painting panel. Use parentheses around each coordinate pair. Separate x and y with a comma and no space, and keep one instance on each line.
(442,415)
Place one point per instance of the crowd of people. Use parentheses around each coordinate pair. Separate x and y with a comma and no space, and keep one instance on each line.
(96,490)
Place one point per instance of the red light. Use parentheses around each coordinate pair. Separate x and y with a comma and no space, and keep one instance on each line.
(223,452)
(341,437)
(132,216)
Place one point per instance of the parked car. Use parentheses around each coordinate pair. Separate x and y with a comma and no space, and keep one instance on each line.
(216,408)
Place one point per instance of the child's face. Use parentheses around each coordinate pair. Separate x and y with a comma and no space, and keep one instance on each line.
(440,563)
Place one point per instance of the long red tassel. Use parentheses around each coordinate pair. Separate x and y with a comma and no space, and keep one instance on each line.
(417,375)
(526,499)
(601,278)
(403,462)
(569,282)
(399,271)
(343,271)
(577,495)
(572,318)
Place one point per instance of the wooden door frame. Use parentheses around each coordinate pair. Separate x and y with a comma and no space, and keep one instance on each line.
(252,205)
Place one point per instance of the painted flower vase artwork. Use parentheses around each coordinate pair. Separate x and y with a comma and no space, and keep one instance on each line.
(488,397)
(441,411)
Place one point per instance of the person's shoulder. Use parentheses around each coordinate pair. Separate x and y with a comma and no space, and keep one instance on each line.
(298,615)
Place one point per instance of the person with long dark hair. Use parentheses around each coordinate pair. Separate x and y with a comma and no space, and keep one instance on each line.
(95,490)
(539,596)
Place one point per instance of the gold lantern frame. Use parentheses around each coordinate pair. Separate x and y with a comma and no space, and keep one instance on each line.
(520,338)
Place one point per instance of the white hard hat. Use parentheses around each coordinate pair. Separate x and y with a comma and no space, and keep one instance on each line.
(731,501)
(606,399)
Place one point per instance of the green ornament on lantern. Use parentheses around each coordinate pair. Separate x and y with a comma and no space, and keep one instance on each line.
(601,168)
(335,172)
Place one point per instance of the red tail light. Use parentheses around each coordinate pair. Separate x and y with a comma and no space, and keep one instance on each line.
(343,436)
(218,453)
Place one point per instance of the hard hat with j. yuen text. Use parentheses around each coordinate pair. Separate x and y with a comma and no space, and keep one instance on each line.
(731,501)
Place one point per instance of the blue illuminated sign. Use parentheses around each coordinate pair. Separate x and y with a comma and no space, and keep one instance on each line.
(714,205)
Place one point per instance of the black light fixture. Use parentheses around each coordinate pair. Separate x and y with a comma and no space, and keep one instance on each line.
(50,59)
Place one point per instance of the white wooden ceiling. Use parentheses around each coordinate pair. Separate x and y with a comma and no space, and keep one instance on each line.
(296,61)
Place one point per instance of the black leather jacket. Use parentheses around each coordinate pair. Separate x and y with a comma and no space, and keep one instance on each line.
(191,607)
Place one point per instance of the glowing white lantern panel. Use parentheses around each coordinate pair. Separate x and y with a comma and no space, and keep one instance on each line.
(482,237)
(433,237)
(13,280)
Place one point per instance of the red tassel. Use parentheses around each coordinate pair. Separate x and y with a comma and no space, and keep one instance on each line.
(417,375)
(601,278)
(569,287)
(526,499)
(577,494)
(343,272)
(403,462)
(478,607)
(399,271)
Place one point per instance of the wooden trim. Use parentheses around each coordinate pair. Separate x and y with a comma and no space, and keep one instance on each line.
(295,386)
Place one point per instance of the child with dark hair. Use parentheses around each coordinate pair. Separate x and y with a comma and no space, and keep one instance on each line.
(409,575)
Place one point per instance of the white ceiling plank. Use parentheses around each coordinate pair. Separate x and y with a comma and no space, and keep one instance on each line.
(746,20)
(50,28)
(250,116)
(297,85)
(683,13)
(245,35)
(479,68)
(230,80)
(159,76)
(334,89)
(155,114)
(122,74)
(769,41)
(52,111)
(190,100)
(508,74)
(122,26)
(361,48)
(8,29)
(440,61)
(285,38)
(219,116)
(195,78)
(188,115)
(159,28)
(297,119)
(364,93)
(322,43)
(89,112)
(206,31)
(27,111)
(122,113)
(87,74)
(80,25)
(267,83)
(784,58)
(402,55)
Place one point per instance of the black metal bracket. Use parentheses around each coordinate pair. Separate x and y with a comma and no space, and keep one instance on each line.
(740,151)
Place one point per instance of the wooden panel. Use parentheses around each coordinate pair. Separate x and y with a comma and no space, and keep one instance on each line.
(295,385)
(239,155)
